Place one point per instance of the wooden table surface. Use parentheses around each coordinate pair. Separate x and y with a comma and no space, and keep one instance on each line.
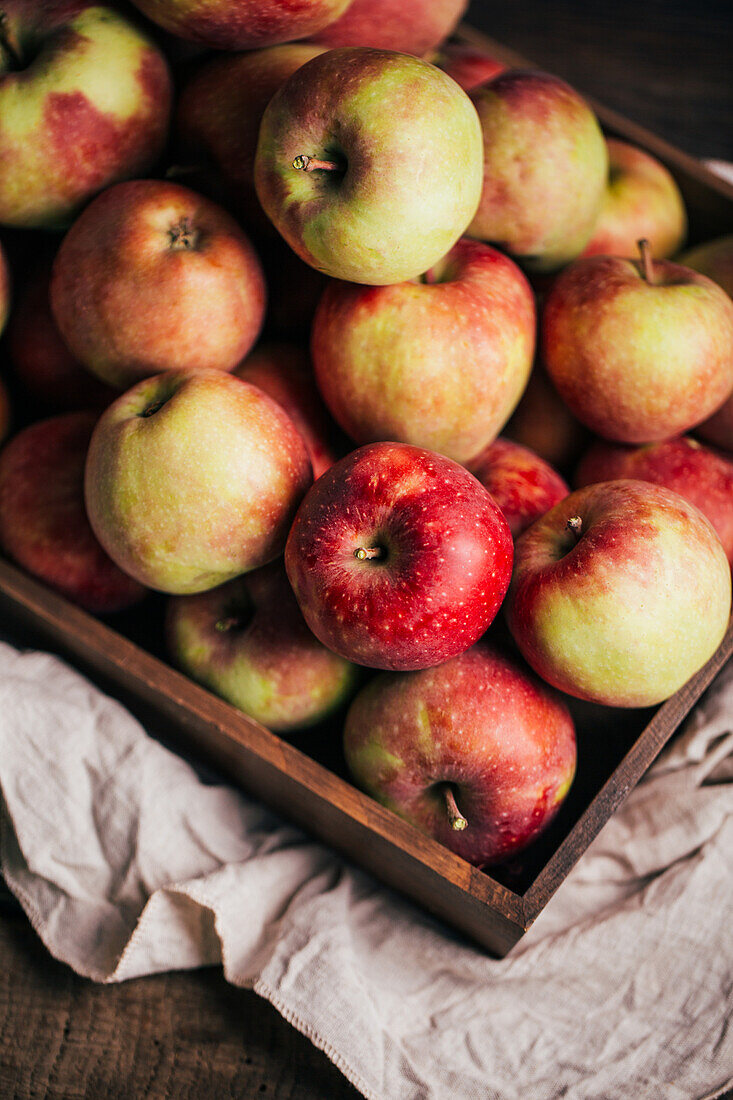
(662,63)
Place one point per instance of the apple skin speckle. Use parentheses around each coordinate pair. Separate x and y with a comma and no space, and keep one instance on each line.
(438,580)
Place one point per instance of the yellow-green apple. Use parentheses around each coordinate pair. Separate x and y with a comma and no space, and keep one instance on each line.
(84,101)
(620,593)
(248,642)
(522,484)
(284,372)
(468,65)
(43,524)
(545,168)
(43,364)
(398,557)
(477,753)
(639,350)
(4,289)
(219,113)
(543,422)
(439,362)
(192,478)
(410,26)
(369,164)
(701,475)
(642,199)
(152,277)
(715,259)
(241,24)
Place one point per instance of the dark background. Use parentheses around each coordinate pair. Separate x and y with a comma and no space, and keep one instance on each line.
(665,64)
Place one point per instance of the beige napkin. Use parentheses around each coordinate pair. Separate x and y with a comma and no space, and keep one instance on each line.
(128,863)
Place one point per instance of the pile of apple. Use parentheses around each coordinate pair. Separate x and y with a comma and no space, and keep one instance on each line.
(417,213)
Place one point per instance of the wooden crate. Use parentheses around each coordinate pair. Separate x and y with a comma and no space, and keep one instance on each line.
(494,909)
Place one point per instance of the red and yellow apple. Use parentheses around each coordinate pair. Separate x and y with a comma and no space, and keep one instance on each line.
(409,26)
(192,478)
(43,524)
(153,277)
(84,101)
(369,164)
(545,168)
(478,753)
(620,593)
(248,642)
(398,557)
(639,351)
(438,362)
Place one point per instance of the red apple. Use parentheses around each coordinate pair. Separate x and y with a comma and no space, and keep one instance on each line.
(467,65)
(438,362)
(220,110)
(642,199)
(522,484)
(284,372)
(409,26)
(620,593)
(84,101)
(545,168)
(47,370)
(477,753)
(351,164)
(154,277)
(639,351)
(398,557)
(248,642)
(43,525)
(192,478)
(702,476)
(241,24)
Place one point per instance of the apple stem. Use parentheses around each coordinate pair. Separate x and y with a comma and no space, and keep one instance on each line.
(575,524)
(457,821)
(6,44)
(647,265)
(369,553)
(310,164)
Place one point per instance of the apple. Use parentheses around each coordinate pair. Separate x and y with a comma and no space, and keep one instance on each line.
(642,199)
(43,364)
(84,101)
(478,753)
(467,65)
(241,24)
(192,478)
(409,26)
(543,423)
(702,476)
(284,372)
(438,362)
(247,641)
(715,259)
(639,351)
(220,110)
(153,276)
(545,168)
(43,525)
(398,557)
(369,164)
(4,289)
(522,484)
(620,593)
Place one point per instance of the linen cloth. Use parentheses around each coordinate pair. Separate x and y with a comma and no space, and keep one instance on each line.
(128,863)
